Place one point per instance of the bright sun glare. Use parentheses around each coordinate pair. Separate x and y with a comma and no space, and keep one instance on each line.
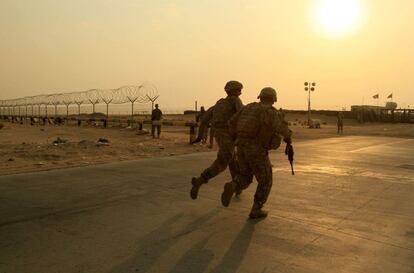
(337,17)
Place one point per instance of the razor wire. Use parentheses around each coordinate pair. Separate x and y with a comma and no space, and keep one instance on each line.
(143,93)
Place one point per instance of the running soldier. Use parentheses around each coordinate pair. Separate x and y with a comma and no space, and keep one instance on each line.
(258,128)
(218,116)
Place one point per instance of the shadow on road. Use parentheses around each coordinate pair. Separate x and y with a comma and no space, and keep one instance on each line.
(234,256)
(158,242)
(197,258)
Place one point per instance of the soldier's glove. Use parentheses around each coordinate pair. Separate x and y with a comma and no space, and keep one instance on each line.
(197,140)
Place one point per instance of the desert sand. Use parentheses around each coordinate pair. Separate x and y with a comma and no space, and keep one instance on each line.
(26,148)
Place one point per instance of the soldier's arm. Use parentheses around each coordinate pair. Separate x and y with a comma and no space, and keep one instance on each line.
(238,105)
(281,127)
(233,123)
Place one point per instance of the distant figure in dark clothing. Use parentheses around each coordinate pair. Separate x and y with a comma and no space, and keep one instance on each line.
(340,122)
(200,115)
(199,118)
(156,117)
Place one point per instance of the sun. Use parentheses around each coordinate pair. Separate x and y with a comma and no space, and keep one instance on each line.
(337,17)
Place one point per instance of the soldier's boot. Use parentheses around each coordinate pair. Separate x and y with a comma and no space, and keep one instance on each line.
(238,191)
(196,182)
(257,212)
(229,189)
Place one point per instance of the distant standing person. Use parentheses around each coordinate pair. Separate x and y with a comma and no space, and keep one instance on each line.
(156,117)
(340,122)
(199,118)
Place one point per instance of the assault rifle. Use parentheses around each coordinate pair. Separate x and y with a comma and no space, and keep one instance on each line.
(290,153)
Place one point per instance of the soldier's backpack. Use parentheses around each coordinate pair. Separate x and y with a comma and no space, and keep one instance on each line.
(249,121)
(224,109)
(269,138)
(255,124)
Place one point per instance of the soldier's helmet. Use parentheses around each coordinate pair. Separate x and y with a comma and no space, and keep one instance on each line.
(233,86)
(268,92)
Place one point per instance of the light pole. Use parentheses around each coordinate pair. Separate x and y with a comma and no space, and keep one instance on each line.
(309,87)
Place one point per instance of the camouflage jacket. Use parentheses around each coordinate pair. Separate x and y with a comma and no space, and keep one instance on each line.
(219,114)
(260,125)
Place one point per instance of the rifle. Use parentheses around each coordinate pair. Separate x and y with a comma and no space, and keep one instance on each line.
(290,153)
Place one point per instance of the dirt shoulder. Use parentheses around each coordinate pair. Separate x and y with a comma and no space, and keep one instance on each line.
(26,148)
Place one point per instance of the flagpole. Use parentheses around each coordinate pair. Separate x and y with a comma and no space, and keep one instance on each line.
(378,109)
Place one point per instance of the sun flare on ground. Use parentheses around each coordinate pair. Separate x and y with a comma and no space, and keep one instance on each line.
(337,17)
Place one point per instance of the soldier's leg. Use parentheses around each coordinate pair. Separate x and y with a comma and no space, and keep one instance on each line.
(224,155)
(262,170)
(234,171)
(158,130)
(205,134)
(240,181)
(153,130)
(233,165)
(212,131)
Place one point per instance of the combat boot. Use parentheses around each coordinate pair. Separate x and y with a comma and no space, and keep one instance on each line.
(257,212)
(238,191)
(229,189)
(196,182)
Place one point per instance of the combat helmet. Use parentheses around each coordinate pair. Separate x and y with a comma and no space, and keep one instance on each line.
(268,92)
(233,86)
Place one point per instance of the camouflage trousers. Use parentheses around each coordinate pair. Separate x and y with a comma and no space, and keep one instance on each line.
(225,156)
(254,162)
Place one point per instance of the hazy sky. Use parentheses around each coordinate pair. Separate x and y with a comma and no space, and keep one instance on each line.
(190,48)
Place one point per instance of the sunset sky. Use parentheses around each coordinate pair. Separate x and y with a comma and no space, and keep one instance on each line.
(190,48)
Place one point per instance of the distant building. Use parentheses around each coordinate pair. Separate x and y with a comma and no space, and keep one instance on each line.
(387,113)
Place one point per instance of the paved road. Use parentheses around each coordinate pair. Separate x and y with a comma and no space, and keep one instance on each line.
(349,208)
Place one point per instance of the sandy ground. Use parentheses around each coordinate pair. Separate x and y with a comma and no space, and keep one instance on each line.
(26,148)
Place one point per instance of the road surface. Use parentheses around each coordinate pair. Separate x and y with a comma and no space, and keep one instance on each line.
(349,208)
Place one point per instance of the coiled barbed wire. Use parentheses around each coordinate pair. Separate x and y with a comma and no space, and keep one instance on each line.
(126,94)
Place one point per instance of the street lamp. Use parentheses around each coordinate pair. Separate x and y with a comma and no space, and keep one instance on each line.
(309,87)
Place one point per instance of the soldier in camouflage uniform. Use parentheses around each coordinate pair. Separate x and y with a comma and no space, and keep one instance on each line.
(258,128)
(218,116)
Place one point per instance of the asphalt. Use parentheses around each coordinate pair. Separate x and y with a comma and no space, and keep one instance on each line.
(349,208)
